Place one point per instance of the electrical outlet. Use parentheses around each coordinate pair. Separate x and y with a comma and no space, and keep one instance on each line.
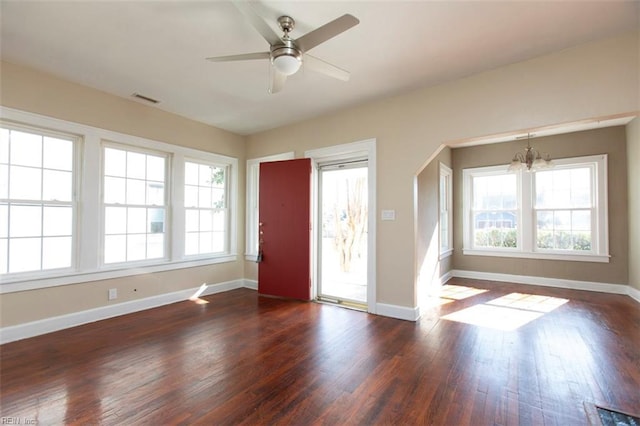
(113,293)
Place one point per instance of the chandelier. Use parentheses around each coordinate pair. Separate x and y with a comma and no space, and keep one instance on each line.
(530,159)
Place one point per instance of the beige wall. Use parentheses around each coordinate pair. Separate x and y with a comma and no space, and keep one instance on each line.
(611,141)
(593,80)
(633,159)
(32,91)
(429,267)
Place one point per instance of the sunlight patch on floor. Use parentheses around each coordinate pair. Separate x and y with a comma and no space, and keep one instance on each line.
(196,296)
(508,312)
(451,293)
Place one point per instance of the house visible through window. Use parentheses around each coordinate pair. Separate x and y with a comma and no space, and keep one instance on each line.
(37,206)
(553,213)
(134,205)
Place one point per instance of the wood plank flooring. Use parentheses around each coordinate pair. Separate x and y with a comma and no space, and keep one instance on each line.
(245,359)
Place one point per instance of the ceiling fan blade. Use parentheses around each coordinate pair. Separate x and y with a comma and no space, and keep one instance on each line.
(242,57)
(326,32)
(326,68)
(258,23)
(277,81)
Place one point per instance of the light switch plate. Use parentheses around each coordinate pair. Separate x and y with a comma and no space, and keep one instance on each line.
(388,215)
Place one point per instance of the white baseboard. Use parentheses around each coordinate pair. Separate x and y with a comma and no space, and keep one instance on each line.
(634,294)
(446,277)
(49,325)
(251,284)
(551,282)
(399,312)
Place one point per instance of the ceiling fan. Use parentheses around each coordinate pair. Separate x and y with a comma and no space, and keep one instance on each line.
(287,54)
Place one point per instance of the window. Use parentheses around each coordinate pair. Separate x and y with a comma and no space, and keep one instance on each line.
(446,212)
(131,190)
(134,204)
(37,207)
(206,214)
(558,213)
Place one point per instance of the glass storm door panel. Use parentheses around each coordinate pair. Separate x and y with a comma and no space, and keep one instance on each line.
(342,239)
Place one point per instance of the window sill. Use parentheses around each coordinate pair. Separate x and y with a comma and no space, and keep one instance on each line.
(445,254)
(33,282)
(251,257)
(537,255)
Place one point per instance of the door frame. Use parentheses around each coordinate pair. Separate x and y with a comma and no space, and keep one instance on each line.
(346,152)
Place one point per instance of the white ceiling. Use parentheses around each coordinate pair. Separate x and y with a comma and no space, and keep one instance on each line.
(157,48)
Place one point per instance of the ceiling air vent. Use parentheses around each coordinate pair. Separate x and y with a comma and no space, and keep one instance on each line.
(145,98)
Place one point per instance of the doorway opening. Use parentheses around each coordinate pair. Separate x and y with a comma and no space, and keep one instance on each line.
(343,233)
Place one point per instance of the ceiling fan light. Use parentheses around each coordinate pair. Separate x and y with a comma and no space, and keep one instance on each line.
(287,64)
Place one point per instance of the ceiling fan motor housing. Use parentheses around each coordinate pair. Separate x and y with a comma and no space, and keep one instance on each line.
(286,57)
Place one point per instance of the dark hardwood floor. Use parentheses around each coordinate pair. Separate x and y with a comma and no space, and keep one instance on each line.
(245,359)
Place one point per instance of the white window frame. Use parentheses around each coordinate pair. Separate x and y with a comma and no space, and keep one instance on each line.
(526,229)
(166,206)
(253,198)
(76,161)
(445,208)
(225,208)
(89,228)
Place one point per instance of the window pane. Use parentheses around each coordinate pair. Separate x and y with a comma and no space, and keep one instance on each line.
(136,165)
(155,194)
(206,220)
(115,221)
(25,183)
(56,252)
(495,192)
(581,220)
(26,221)
(218,198)
(219,223)
(155,168)
(191,173)
(26,149)
(4,181)
(495,229)
(136,220)
(156,221)
(206,242)
(217,177)
(57,185)
(25,254)
(57,221)
(205,175)
(4,243)
(135,191)
(204,197)
(136,247)
(4,146)
(4,221)
(190,196)
(218,242)
(115,248)
(191,243)
(58,154)
(114,190)
(192,220)
(155,246)
(115,162)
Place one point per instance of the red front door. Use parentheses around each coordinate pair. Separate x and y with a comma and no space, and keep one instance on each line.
(285,229)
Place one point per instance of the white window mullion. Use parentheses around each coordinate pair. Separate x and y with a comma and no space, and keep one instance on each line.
(526,230)
(177,208)
(90,221)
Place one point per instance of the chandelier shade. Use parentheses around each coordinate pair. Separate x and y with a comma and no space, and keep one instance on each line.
(530,159)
